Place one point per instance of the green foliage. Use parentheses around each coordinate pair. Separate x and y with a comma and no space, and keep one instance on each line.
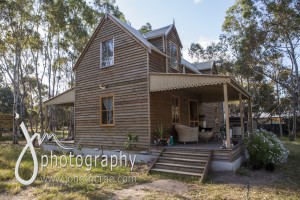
(6,100)
(130,144)
(160,132)
(264,147)
(146,28)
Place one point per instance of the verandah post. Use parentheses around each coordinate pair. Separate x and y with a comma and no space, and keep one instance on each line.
(226,115)
(250,119)
(241,115)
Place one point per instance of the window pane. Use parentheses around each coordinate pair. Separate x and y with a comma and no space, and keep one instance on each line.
(175,109)
(107,53)
(104,104)
(110,117)
(109,103)
(104,117)
(173,55)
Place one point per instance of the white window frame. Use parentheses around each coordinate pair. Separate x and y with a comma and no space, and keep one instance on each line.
(113,56)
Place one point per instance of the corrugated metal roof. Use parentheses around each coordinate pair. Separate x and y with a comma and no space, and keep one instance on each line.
(204,65)
(65,98)
(158,32)
(136,33)
(189,65)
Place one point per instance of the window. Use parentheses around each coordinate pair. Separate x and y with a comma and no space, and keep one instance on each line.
(175,109)
(173,56)
(107,53)
(107,110)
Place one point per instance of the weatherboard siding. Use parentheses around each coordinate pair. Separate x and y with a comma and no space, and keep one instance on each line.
(158,43)
(126,80)
(157,62)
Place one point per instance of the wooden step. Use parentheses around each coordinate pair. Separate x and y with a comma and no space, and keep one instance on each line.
(179,167)
(177,172)
(184,159)
(186,154)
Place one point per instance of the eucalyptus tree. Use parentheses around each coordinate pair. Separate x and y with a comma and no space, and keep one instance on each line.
(263,32)
(15,30)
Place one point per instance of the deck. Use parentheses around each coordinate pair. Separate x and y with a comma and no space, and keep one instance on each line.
(219,154)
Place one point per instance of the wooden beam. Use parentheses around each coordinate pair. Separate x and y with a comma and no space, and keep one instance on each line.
(242,115)
(226,115)
(250,119)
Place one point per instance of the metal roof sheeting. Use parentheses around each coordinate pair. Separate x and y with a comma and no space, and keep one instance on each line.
(189,65)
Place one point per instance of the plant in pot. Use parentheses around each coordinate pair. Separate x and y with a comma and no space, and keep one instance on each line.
(161,135)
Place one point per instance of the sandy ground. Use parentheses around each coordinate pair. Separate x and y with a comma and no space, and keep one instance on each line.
(139,191)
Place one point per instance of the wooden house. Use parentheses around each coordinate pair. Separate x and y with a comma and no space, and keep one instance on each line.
(128,82)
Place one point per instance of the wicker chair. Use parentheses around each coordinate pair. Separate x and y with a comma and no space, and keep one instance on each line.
(187,134)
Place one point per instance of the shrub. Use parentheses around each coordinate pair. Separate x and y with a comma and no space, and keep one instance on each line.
(264,147)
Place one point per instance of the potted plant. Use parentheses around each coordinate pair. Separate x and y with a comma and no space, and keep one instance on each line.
(161,134)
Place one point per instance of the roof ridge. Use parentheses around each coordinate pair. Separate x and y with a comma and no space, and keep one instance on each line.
(159,28)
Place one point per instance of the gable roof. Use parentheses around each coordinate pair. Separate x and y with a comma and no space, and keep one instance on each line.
(140,38)
(190,66)
(164,31)
(159,32)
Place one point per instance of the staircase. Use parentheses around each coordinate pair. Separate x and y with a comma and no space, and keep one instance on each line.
(191,162)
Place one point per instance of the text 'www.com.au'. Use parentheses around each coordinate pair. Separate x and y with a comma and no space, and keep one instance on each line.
(96,179)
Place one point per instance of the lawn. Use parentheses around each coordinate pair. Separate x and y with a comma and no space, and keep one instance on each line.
(60,183)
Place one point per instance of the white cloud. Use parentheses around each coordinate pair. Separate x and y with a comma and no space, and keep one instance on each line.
(203,41)
(197,1)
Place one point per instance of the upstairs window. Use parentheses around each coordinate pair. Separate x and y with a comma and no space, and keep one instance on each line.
(107,53)
(175,110)
(106,110)
(173,55)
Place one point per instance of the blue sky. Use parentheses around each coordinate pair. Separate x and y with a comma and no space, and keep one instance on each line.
(196,20)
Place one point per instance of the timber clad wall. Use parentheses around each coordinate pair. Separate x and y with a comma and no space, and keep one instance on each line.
(157,42)
(157,62)
(126,80)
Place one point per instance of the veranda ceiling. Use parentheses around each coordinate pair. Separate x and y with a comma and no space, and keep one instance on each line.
(66,98)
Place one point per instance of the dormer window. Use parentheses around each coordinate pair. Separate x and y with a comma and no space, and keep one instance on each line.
(173,55)
(107,53)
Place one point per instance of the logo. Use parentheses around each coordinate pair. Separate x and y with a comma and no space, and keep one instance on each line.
(62,160)
(33,153)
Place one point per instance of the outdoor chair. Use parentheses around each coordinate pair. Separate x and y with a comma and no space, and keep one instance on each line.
(187,134)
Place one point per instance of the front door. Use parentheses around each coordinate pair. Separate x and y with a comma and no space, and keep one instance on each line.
(193,113)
